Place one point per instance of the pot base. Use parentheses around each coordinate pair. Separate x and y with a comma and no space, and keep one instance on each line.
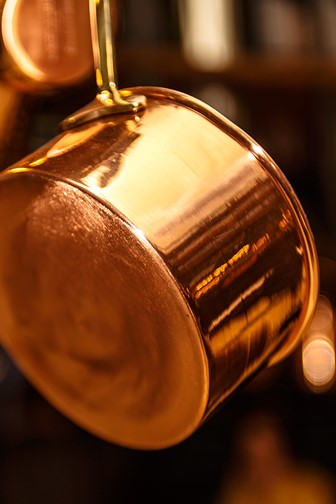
(94,318)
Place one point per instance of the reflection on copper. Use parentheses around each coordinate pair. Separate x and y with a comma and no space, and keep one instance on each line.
(318,348)
(72,140)
(214,278)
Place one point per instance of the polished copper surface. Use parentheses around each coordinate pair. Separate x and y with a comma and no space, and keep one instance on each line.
(47,44)
(149,264)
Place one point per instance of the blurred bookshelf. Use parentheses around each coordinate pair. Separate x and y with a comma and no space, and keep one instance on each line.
(246,71)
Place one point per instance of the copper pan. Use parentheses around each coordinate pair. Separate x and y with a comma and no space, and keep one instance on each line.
(47,44)
(151,260)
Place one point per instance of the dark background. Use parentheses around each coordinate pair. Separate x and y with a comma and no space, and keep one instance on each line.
(284,95)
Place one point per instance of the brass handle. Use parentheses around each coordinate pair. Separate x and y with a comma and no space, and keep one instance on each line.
(103,47)
(108,99)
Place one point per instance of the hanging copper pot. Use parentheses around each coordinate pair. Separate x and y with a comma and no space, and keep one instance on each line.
(152,258)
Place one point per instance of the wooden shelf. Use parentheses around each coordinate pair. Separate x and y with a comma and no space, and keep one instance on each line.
(245,71)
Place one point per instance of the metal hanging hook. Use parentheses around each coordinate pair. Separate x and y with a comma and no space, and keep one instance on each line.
(109,100)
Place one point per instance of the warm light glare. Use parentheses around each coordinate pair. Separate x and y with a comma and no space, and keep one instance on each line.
(318,358)
(257,149)
(207,32)
(318,348)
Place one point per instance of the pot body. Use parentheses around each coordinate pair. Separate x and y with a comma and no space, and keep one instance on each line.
(149,264)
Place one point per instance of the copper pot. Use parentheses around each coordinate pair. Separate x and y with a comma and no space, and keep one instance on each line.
(152,258)
(150,262)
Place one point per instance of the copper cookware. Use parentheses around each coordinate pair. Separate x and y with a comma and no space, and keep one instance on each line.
(46,44)
(151,260)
